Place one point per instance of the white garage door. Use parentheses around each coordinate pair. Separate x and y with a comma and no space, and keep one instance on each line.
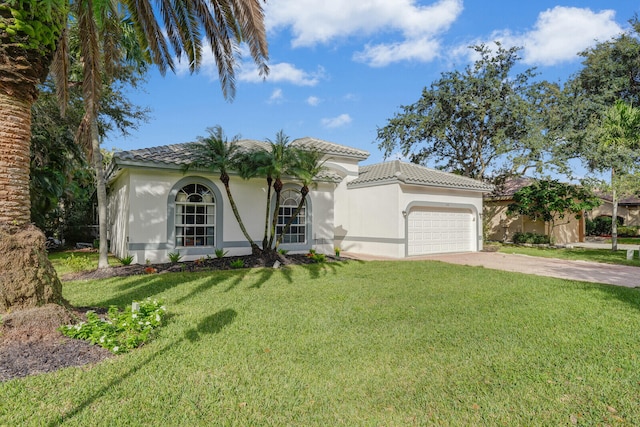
(433,230)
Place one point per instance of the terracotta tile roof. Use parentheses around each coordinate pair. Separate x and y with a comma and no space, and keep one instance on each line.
(410,173)
(176,156)
(330,148)
(506,190)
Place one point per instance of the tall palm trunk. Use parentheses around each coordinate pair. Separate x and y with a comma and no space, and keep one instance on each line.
(265,239)
(27,278)
(614,213)
(224,177)
(101,192)
(277,187)
(15,140)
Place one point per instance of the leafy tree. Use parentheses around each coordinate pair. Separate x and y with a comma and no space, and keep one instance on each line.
(610,72)
(477,121)
(619,152)
(216,153)
(551,201)
(29,32)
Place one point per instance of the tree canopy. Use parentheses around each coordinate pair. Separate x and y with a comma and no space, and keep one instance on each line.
(552,200)
(479,121)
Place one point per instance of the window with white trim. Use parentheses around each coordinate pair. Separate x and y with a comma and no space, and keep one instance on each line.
(195,216)
(289,200)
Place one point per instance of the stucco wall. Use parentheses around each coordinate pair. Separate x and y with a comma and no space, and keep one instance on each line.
(501,227)
(631,214)
(146,228)
(372,219)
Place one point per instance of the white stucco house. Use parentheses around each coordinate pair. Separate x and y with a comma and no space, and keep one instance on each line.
(391,209)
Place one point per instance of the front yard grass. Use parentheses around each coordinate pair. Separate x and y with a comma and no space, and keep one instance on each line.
(73,261)
(357,344)
(584,254)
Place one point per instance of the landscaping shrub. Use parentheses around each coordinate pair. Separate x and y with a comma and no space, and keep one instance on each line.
(627,231)
(531,238)
(601,226)
(78,263)
(120,331)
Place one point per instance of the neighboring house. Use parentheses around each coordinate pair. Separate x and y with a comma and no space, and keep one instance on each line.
(628,210)
(501,227)
(391,209)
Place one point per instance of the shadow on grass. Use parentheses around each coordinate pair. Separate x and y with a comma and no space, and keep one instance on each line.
(209,325)
(629,296)
(317,270)
(213,280)
(147,287)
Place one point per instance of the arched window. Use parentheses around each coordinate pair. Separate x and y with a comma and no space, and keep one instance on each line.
(289,200)
(195,216)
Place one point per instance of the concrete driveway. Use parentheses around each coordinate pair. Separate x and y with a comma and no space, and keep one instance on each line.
(620,275)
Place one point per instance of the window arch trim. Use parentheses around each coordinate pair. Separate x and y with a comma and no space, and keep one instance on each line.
(171,215)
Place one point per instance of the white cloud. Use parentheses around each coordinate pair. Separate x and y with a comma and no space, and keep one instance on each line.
(334,122)
(558,35)
(422,50)
(276,96)
(562,32)
(282,72)
(415,27)
(313,101)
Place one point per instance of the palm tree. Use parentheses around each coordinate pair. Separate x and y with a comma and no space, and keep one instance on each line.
(308,165)
(273,163)
(216,153)
(618,151)
(28,40)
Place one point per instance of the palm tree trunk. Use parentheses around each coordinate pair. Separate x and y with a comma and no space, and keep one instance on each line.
(255,250)
(614,213)
(101,192)
(27,278)
(15,142)
(265,239)
(277,186)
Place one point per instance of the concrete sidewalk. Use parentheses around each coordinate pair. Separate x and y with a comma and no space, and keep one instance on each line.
(619,275)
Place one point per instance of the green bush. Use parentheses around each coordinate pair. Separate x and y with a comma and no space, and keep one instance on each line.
(316,257)
(174,257)
(126,260)
(531,238)
(78,263)
(120,331)
(238,263)
(601,226)
(628,231)
(221,253)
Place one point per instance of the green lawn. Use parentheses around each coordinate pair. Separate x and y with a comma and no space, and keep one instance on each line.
(626,241)
(71,261)
(354,344)
(595,255)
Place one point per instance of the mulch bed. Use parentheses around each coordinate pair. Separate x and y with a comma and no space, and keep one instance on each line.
(30,342)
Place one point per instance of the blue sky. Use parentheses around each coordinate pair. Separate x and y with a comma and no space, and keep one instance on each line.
(340,70)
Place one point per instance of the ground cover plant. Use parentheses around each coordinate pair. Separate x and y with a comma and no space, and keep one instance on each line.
(606,256)
(377,343)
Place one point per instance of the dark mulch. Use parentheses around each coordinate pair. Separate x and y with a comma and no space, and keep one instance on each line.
(30,342)
(205,264)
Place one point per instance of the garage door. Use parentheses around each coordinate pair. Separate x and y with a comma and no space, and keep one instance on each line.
(434,231)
